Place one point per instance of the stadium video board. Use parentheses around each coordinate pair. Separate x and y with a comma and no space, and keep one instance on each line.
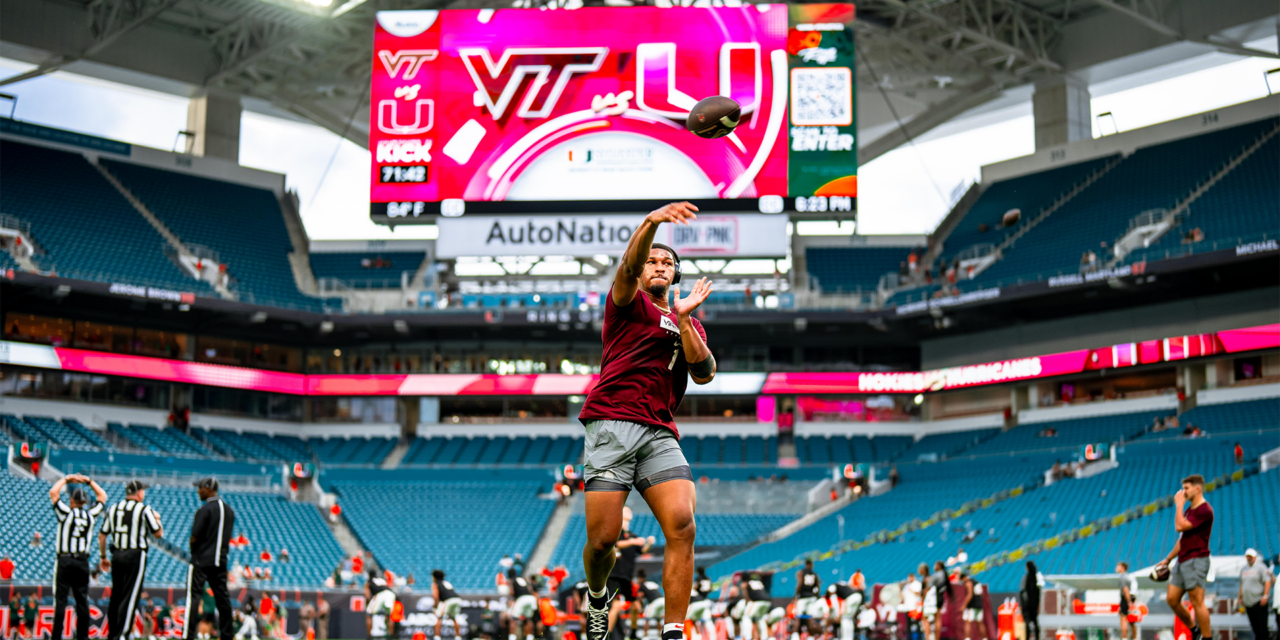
(526,111)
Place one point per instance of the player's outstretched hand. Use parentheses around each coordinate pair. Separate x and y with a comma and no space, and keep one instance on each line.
(685,306)
(675,213)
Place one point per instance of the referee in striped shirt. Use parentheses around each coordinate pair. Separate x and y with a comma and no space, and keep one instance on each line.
(75,537)
(127,526)
(210,542)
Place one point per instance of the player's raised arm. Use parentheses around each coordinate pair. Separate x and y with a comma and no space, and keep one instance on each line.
(702,365)
(627,280)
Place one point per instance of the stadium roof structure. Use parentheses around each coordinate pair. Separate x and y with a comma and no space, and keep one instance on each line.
(922,62)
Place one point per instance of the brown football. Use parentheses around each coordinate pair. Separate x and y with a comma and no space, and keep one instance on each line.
(713,117)
(1011,217)
(1160,573)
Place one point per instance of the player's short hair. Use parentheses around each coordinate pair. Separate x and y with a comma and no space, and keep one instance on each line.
(1124,564)
(437,574)
(662,247)
(1195,479)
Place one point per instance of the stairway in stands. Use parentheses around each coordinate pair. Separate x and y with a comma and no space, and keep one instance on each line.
(184,252)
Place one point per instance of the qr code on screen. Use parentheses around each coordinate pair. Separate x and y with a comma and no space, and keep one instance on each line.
(821,96)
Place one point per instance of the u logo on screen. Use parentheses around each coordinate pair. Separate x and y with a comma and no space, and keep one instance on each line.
(741,78)
(389,120)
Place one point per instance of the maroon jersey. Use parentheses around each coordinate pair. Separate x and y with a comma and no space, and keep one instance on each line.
(1195,541)
(643,373)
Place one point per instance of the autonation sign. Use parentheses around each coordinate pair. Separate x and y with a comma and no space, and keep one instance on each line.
(586,235)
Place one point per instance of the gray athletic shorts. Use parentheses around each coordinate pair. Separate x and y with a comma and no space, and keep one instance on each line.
(1190,574)
(624,454)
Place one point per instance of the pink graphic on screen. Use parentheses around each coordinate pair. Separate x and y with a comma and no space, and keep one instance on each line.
(521,104)
(215,375)
(834,382)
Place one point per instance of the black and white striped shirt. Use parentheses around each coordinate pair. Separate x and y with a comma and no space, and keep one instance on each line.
(130,524)
(75,527)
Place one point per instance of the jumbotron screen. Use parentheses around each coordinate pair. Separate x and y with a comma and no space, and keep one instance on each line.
(531,111)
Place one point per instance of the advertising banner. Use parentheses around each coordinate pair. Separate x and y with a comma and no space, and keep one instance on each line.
(553,384)
(347,617)
(485,111)
(710,235)
(824,124)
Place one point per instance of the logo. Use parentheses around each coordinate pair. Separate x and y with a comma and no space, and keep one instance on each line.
(1257,247)
(516,65)
(413,151)
(668,324)
(389,120)
(409,61)
(406,24)
(656,90)
(612,105)
(624,156)
(771,204)
(826,138)
(453,207)
(409,92)
(818,55)
(153,293)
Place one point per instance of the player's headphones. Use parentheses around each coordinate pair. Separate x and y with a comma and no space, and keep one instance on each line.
(675,257)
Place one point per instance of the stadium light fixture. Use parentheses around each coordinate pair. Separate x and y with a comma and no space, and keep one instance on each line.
(1115,128)
(345,7)
(1266,77)
(186,140)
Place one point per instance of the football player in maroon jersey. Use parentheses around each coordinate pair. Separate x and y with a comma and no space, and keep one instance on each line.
(652,346)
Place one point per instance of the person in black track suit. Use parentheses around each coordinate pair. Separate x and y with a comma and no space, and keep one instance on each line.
(210,542)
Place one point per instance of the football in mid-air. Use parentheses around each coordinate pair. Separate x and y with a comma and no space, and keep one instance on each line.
(714,117)
(1011,217)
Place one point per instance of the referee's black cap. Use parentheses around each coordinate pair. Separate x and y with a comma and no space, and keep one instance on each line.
(76,495)
(207,483)
(134,486)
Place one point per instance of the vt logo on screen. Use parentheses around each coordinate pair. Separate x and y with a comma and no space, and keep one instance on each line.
(505,76)
(409,61)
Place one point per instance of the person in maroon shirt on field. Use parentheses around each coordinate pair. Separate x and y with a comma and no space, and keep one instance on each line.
(652,346)
(1192,552)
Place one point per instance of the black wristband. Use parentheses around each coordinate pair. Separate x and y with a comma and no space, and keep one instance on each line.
(704,368)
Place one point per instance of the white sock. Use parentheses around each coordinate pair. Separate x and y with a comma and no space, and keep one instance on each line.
(673,626)
(597,594)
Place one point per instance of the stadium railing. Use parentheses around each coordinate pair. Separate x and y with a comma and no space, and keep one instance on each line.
(1204,246)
